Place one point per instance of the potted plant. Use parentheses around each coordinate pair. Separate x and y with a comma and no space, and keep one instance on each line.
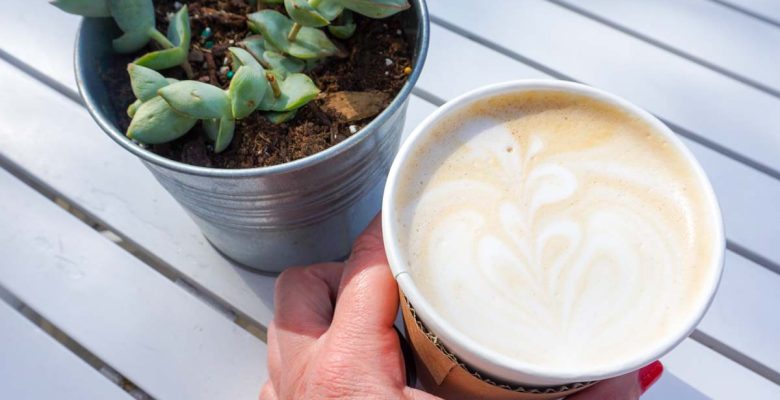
(273,123)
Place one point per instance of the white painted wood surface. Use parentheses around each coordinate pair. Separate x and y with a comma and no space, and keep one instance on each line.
(172,345)
(725,39)
(47,40)
(35,366)
(681,92)
(115,189)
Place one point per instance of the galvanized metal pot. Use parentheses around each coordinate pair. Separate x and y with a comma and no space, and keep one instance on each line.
(270,218)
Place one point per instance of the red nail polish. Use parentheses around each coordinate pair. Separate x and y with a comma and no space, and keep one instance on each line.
(648,375)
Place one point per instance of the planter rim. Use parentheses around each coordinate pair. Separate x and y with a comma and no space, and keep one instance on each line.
(420,45)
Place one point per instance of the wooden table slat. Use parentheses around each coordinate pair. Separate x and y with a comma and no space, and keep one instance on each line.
(35,366)
(723,111)
(706,31)
(172,345)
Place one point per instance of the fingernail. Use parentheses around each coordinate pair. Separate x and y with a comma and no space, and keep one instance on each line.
(649,375)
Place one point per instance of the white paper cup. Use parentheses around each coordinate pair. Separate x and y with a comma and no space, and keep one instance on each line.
(472,353)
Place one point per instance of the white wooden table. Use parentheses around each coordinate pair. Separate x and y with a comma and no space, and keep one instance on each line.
(109,291)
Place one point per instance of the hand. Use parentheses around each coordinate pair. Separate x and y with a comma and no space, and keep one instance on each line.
(332,336)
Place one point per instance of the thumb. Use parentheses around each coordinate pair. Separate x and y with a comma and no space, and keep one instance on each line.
(368,295)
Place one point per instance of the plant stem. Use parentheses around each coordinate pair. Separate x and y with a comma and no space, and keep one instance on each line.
(274,84)
(187,69)
(160,38)
(294,32)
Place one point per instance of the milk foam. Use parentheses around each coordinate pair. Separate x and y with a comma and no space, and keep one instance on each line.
(555,229)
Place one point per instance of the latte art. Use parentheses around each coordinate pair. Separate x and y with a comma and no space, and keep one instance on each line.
(555,229)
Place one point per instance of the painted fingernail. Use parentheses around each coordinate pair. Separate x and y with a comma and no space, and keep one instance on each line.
(650,374)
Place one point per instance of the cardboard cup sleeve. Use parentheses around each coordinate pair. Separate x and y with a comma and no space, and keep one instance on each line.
(443,375)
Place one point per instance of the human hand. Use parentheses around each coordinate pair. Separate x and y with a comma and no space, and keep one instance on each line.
(332,336)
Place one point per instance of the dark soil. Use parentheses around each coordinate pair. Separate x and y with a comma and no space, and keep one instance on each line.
(257,142)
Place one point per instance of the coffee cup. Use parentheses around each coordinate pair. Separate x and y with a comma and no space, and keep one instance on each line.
(546,235)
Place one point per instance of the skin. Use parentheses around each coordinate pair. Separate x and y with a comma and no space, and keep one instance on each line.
(332,336)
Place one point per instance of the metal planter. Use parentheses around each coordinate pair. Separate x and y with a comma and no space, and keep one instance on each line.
(270,218)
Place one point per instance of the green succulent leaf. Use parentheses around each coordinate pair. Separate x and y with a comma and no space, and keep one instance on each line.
(130,42)
(133,15)
(270,59)
(162,59)
(346,27)
(282,64)
(197,99)
(247,89)
(296,90)
(179,37)
(145,82)
(254,44)
(220,131)
(227,127)
(375,8)
(303,13)
(280,117)
(133,108)
(179,28)
(270,46)
(86,8)
(136,19)
(309,43)
(211,127)
(330,9)
(242,58)
(155,122)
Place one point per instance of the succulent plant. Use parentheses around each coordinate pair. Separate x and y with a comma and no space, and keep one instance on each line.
(308,43)
(136,19)
(267,74)
(346,26)
(319,13)
(271,59)
(297,35)
(154,121)
(167,109)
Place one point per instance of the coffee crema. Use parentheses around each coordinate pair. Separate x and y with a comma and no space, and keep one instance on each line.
(555,229)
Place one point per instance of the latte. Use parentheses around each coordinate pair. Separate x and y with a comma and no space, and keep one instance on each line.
(555,229)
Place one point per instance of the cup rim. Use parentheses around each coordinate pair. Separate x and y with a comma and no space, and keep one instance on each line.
(492,362)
